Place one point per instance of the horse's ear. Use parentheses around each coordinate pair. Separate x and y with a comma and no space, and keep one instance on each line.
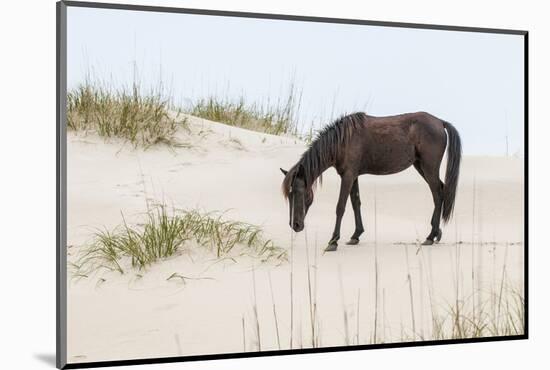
(283,171)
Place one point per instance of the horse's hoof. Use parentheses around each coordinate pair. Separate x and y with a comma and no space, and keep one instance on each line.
(438,236)
(331,247)
(353,241)
(428,242)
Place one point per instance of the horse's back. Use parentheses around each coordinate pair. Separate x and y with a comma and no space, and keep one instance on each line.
(392,144)
(410,128)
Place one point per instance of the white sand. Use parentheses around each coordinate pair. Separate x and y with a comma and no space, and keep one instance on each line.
(141,314)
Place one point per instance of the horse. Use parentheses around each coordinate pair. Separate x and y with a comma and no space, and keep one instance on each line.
(358,144)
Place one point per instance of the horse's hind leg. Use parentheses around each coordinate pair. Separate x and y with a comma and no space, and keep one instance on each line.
(356,204)
(419,169)
(431,175)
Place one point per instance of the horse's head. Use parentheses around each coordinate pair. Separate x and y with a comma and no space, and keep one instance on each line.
(299,195)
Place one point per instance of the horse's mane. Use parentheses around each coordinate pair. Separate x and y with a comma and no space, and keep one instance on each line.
(323,150)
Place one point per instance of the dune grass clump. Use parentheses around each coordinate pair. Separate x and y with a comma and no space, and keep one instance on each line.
(141,119)
(278,119)
(502,315)
(163,234)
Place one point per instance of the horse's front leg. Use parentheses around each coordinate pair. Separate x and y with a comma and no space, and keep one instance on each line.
(356,204)
(345,188)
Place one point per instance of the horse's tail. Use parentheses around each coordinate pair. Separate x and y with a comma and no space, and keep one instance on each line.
(454,152)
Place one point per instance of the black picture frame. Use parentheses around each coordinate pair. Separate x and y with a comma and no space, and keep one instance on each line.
(61,186)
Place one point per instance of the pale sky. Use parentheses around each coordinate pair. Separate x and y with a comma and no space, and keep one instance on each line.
(473,80)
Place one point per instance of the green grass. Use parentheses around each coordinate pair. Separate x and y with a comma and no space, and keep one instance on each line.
(165,233)
(278,119)
(144,119)
(127,113)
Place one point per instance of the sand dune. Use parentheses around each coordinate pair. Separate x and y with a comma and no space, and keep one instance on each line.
(217,167)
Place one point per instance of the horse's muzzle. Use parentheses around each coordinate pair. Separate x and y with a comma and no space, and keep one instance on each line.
(297,226)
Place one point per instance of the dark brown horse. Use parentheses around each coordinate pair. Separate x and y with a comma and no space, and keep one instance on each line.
(359,144)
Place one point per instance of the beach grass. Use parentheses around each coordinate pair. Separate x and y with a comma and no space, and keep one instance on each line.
(164,233)
(461,322)
(276,119)
(146,118)
(141,118)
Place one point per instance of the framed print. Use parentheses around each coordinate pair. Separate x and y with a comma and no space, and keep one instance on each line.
(240,184)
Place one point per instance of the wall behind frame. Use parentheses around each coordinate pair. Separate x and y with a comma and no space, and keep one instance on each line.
(28,186)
